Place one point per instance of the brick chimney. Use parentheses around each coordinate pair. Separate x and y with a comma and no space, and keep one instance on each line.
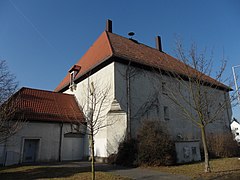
(159,43)
(109,26)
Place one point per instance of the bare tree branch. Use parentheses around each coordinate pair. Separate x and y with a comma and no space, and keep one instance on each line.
(10,119)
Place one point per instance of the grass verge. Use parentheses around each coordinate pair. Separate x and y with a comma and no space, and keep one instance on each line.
(226,168)
(52,172)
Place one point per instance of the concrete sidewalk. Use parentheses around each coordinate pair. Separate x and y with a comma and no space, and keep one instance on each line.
(140,173)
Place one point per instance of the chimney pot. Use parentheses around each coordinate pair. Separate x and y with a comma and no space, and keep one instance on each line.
(159,43)
(109,26)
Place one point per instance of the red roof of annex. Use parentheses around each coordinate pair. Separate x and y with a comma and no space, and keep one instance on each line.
(41,105)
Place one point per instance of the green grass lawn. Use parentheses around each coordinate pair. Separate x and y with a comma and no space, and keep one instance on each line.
(51,172)
(226,168)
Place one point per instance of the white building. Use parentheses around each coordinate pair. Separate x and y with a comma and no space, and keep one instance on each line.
(126,70)
(47,133)
(235,127)
(137,92)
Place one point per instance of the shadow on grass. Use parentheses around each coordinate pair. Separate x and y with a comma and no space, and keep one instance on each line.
(44,172)
(50,171)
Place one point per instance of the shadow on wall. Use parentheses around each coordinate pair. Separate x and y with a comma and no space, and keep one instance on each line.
(9,158)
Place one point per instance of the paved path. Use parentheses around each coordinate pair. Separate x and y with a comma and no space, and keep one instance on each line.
(141,174)
(134,173)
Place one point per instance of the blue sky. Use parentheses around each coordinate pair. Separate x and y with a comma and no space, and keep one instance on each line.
(42,39)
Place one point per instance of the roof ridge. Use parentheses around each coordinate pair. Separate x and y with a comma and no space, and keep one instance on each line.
(139,43)
(42,90)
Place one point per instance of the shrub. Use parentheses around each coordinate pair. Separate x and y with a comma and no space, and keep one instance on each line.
(155,146)
(222,145)
(127,153)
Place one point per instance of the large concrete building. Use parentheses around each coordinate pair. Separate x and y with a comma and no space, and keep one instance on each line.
(137,92)
(129,72)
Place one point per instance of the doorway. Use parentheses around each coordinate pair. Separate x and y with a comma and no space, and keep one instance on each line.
(30,150)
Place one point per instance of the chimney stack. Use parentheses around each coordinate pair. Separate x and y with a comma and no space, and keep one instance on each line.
(159,43)
(109,26)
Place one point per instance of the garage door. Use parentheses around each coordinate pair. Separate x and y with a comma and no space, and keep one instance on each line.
(72,148)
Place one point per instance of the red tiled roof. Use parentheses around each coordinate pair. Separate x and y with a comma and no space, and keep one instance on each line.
(96,54)
(109,45)
(40,105)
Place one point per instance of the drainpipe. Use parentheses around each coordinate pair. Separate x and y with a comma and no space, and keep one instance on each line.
(128,103)
(5,152)
(227,108)
(60,143)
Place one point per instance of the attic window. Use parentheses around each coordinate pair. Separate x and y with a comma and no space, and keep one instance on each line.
(72,77)
(73,72)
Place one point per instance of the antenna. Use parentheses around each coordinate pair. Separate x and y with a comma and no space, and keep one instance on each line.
(131,34)
(235,82)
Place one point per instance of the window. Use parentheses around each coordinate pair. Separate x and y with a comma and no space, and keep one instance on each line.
(186,152)
(208,115)
(72,74)
(164,90)
(194,150)
(72,85)
(166,113)
(237,134)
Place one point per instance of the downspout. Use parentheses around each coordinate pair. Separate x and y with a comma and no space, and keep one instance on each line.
(60,144)
(228,115)
(128,103)
(5,152)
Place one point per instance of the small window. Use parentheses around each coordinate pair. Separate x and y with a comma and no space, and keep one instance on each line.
(194,150)
(208,115)
(164,90)
(166,113)
(72,76)
(237,134)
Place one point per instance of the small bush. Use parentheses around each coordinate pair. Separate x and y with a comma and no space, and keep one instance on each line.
(112,159)
(155,146)
(127,153)
(222,145)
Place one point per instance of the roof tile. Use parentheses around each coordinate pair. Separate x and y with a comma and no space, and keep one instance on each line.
(109,44)
(40,105)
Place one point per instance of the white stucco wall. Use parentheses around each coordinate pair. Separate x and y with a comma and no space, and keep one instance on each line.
(235,127)
(48,136)
(103,81)
(148,102)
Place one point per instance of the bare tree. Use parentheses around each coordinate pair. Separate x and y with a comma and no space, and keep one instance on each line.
(201,99)
(95,108)
(8,87)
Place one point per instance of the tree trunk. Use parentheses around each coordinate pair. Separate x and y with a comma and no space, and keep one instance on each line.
(92,157)
(205,148)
